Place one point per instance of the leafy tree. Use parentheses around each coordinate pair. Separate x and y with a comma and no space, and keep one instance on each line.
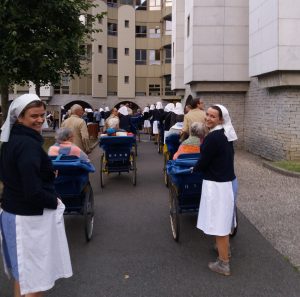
(41,39)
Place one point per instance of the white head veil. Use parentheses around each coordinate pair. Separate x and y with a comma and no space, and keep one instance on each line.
(169,107)
(106,108)
(159,105)
(15,108)
(227,126)
(152,107)
(146,109)
(123,110)
(178,108)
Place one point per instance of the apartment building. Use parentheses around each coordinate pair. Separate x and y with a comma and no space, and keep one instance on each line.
(245,55)
(128,61)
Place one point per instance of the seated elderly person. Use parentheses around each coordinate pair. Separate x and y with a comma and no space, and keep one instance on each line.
(64,145)
(192,144)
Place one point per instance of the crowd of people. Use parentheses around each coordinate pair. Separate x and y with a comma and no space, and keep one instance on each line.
(31,207)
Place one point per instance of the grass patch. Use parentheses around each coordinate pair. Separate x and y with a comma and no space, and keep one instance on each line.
(293,166)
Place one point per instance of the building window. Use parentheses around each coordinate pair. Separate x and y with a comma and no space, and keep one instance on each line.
(100,78)
(140,57)
(154,4)
(112,29)
(188,26)
(140,31)
(100,49)
(89,51)
(168,91)
(65,89)
(168,27)
(154,90)
(168,57)
(126,79)
(112,3)
(154,57)
(173,48)
(112,55)
(141,4)
(129,2)
(126,23)
(154,32)
(126,51)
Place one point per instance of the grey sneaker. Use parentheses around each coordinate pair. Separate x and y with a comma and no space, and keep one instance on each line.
(220,267)
(216,250)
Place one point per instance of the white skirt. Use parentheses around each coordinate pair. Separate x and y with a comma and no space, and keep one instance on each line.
(147,124)
(155,127)
(216,209)
(42,250)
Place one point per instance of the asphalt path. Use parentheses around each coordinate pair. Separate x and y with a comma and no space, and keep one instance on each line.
(133,254)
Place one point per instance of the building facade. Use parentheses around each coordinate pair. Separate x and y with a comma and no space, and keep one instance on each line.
(128,61)
(245,55)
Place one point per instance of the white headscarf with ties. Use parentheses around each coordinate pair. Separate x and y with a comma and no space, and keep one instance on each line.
(15,109)
(146,109)
(123,110)
(178,108)
(169,107)
(159,105)
(227,126)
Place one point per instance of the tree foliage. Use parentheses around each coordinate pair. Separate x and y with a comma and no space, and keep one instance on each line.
(41,39)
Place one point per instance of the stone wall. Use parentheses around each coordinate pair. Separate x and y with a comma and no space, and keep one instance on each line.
(272,122)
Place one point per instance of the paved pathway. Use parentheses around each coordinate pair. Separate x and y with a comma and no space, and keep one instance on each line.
(133,254)
(271,201)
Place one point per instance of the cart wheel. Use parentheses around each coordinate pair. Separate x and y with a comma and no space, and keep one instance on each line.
(174,215)
(102,170)
(235,229)
(166,178)
(133,168)
(135,149)
(88,211)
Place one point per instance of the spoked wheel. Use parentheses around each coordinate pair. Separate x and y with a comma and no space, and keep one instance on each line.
(174,215)
(102,170)
(166,178)
(135,149)
(88,212)
(133,167)
(235,229)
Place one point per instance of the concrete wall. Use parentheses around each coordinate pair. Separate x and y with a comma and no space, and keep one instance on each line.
(217,46)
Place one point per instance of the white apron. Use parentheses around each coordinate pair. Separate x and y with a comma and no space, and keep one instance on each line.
(216,209)
(42,250)
(147,124)
(155,127)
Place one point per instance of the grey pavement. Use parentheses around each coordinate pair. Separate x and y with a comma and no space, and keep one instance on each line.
(271,201)
(133,254)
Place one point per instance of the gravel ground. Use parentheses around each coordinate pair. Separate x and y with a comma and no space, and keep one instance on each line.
(271,201)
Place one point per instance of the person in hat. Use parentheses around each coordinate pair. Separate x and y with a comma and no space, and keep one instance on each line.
(34,243)
(216,212)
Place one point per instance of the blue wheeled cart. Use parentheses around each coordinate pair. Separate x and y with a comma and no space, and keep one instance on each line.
(117,156)
(170,148)
(73,186)
(185,191)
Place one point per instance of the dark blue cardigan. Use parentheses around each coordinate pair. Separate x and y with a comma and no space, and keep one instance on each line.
(217,158)
(27,173)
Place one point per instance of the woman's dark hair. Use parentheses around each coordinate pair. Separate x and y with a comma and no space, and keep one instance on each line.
(219,110)
(194,102)
(35,103)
